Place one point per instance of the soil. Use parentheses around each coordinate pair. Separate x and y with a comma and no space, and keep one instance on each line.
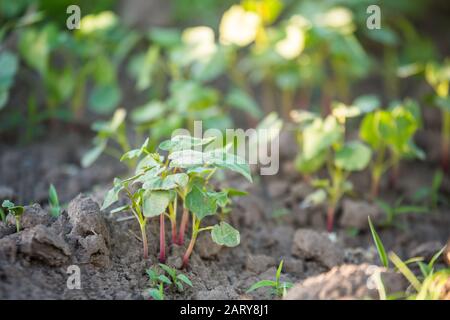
(34,262)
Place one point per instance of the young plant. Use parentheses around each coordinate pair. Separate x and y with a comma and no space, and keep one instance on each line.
(144,203)
(197,196)
(55,207)
(185,174)
(438,76)
(390,135)
(279,288)
(158,281)
(14,210)
(397,209)
(177,279)
(323,145)
(111,139)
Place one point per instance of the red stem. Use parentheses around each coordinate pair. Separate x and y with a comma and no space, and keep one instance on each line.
(183,225)
(189,251)
(162,239)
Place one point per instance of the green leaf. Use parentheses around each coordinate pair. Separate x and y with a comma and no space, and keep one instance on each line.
(148,112)
(112,195)
(262,284)
(53,196)
(313,199)
(186,159)
(104,98)
(308,166)
(319,136)
(172,272)
(16,211)
(229,161)
(367,103)
(55,208)
(200,203)
(169,182)
(185,279)
(92,155)
(224,234)
(8,69)
(278,274)
(155,202)
(119,209)
(148,162)
(184,142)
(380,248)
(239,99)
(164,279)
(353,156)
(221,197)
(165,37)
(156,294)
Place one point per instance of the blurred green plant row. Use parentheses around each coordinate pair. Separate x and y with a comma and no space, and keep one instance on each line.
(260,56)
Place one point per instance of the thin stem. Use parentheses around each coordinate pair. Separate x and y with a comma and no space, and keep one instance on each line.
(330,218)
(162,239)
(144,239)
(187,254)
(184,222)
(375,188)
(17,224)
(377,171)
(173,220)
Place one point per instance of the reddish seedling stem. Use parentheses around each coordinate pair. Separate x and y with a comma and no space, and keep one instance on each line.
(162,240)
(189,250)
(195,231)
(375,188)
(184,221)
(330,218)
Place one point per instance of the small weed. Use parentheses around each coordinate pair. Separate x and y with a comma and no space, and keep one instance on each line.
(279,288)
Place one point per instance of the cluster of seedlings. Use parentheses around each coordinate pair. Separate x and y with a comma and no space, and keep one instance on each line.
(161,185)
(386,138)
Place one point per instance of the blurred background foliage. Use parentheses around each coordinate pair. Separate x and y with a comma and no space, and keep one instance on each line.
(167,63)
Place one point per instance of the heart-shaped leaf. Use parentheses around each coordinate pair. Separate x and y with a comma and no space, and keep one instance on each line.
(155,202)
(224,234)
(200,203)
(353,156)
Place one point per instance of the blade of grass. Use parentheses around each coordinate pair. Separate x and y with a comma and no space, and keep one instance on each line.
(379,245)
(407,273)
